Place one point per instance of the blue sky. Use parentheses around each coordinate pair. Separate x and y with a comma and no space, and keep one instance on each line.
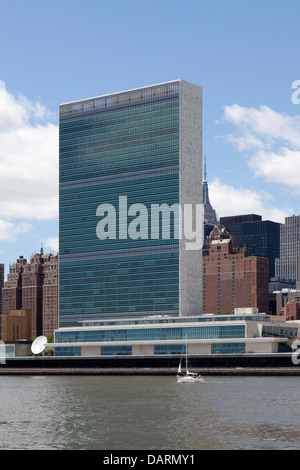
(244,54)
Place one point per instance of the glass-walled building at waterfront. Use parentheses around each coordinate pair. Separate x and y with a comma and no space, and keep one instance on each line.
(121,155)
(211,334)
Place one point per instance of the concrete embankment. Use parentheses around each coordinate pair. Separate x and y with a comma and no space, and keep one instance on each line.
(278,364)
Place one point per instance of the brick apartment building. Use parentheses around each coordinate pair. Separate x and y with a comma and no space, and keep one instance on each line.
(33,286)
(288,303)
(231,278)
(1,284)
(50,295)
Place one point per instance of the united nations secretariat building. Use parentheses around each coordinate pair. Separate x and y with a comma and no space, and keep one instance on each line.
(130,284)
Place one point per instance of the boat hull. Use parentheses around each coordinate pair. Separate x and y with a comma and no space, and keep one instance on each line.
(190,380)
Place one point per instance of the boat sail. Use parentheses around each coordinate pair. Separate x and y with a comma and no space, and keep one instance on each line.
(188,377)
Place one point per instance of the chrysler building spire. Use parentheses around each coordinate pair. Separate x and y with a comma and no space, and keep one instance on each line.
(209,213)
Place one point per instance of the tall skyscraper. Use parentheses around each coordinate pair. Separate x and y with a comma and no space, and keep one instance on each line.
(287,264)
(235,226)
(50,295)
(261,236)
(231,278)
(32,290)
(12,290)
(298,270)
(32,286)
(1,287)
(121,156)
(1,284)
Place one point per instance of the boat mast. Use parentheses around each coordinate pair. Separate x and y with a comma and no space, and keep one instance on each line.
(186,355)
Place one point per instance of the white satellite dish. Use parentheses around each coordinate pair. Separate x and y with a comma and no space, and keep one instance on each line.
(39,344)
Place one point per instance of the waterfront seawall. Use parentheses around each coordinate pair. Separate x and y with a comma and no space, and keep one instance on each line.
(233,364)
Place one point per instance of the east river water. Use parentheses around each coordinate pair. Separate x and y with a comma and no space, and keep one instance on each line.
(149,413)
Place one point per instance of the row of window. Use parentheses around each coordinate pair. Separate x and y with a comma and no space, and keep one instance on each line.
(148,334)
(88,109)
(159,349)
(120,159)
(136,145)
(123,116)
(107,132)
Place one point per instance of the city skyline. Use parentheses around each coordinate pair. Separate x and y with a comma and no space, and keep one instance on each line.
(242,56)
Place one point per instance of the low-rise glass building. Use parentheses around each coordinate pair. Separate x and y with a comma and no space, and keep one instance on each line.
(150,336)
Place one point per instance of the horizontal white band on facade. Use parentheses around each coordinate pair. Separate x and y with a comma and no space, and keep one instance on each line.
(144,326)
(123,92)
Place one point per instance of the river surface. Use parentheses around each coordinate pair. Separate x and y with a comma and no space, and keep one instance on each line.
(149,413)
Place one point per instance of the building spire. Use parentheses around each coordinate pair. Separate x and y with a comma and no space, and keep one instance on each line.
(205,196)
(205,168)
(210,216)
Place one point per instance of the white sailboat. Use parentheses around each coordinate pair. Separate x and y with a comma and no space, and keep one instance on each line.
(188,377)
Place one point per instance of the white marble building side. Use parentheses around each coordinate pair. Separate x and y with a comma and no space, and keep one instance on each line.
(190,182)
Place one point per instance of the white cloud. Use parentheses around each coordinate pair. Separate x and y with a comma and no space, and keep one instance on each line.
(52,243)
(282,168)
(264,125)
(28,159)
(10,230)
(228,200)
(270,140)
